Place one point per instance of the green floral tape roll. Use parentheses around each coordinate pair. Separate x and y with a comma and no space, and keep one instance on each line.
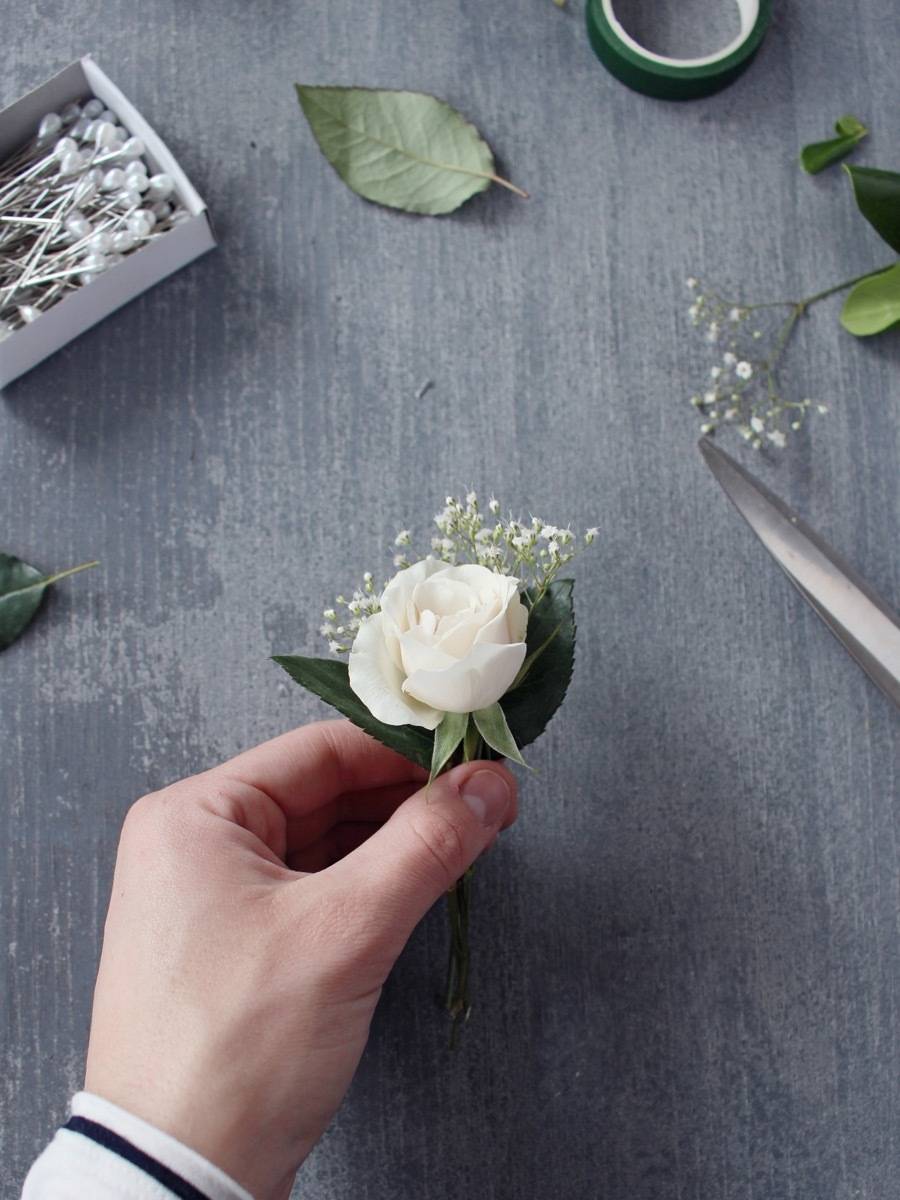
(675,78)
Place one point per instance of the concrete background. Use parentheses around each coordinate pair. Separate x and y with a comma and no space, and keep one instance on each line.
(687,974)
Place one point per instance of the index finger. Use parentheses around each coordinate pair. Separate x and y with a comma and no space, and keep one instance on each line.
(306,768)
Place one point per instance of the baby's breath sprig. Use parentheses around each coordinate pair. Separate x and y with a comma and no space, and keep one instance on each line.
(532,550)
(743,388)
(343,619)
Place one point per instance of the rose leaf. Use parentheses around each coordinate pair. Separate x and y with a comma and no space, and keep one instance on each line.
(329,679)
(22,588)
(529,706)
(874,303)
(877,196)
(405,150)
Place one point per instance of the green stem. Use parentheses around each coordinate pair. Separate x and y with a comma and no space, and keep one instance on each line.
(46,580)
(808,301)
(839,287)
(69,571)
(456,997)
(457,992)
(798,309)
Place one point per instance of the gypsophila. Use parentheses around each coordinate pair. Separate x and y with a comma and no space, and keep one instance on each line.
(748,347)
(532,550)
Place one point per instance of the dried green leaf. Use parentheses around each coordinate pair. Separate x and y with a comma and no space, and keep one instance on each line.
(22,589)
(406,150)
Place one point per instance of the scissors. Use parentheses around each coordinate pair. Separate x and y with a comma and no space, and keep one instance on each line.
(859,619)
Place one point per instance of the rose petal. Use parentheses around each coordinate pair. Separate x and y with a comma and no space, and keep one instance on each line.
(509,625)
(421,654)
(477,681)
(379,682)
(517,615)
(482,580)
(396,603)
(444,596)
(457,637)
(397,595)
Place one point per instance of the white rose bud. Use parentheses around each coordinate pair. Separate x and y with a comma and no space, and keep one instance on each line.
(447,639)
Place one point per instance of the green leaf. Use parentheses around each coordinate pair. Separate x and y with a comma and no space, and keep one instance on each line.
(850,126)
(819,155)
(405,150)
(491,724)
(447,738)
(877,196)
(328,678)
(22,588)
(532,658)
(551,630)
(874,303)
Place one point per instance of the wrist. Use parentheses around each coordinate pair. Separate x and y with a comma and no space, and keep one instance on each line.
(209,1127)
(112,1129)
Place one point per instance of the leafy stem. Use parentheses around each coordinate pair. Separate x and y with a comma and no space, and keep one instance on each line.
(808,301)
(22,588)
(798,309)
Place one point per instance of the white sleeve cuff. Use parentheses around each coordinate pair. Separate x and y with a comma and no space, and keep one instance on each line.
(108,1154)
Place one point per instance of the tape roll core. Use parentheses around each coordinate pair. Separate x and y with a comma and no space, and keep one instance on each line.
(675,78)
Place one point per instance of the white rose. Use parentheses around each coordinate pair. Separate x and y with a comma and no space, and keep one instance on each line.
(447,639)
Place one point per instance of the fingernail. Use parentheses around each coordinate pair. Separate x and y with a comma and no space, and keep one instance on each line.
(487,795)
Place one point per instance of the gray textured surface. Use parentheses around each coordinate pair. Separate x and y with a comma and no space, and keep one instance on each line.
(688,973)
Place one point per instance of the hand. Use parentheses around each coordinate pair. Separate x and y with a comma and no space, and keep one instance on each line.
(256,911)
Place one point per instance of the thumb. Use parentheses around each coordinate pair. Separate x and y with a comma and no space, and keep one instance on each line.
(429,842)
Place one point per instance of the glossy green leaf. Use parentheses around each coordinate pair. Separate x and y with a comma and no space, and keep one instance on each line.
(405,150)
(22,589)
(447,738)
(878,199)
(328,679)
(551,630)
(819,155)
(874,303)
(492,725)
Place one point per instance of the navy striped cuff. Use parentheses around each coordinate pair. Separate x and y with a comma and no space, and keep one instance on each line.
(163,1175)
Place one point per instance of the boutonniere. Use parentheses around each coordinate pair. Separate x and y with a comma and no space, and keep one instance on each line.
(466,652)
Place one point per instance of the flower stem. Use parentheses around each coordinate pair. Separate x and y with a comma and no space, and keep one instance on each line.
(798,309)
(839,287)
(456,994)
(809,301)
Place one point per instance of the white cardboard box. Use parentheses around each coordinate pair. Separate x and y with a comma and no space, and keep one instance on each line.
(81,309)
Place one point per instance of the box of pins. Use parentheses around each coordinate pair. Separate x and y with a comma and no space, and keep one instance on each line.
(94,210)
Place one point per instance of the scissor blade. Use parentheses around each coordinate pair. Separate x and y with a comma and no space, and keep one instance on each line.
(859,618)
